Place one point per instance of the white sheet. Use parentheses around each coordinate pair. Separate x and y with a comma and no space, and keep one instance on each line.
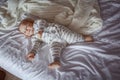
(79,61)
(99,60)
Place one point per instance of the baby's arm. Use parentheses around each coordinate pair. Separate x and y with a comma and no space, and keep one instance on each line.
(32,53)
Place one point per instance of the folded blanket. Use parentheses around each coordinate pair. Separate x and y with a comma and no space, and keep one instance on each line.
(82,16)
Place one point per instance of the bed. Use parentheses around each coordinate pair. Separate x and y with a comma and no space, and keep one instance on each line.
(98,60)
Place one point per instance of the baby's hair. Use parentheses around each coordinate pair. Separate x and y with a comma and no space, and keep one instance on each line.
(27,20)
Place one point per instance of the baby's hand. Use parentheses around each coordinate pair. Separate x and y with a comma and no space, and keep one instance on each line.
(39,35)
(30,56)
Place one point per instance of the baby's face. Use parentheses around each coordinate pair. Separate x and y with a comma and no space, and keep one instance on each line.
(27,29)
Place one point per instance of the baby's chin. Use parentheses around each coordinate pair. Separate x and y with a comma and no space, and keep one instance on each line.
(32,33)
(29,36)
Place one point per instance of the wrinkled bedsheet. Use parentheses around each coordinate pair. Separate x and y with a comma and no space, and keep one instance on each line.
(99,60)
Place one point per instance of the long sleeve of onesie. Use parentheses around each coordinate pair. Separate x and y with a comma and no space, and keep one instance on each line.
(37,45)
(38,24)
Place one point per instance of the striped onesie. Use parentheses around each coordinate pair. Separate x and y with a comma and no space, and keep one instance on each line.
(57,36)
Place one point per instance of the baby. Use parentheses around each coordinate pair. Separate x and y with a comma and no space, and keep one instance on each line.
(57,36)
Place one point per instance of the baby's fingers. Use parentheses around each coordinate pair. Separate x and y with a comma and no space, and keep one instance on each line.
(30,57)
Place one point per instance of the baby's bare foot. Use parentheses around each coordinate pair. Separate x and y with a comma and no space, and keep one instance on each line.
(88,38)
(54,65)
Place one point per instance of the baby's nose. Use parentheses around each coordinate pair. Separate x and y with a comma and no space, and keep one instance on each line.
(29,28)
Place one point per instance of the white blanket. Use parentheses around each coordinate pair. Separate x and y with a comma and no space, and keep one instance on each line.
(82,16)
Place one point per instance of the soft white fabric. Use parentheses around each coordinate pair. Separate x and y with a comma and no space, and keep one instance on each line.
(86,18)
(79,61)
(81,16)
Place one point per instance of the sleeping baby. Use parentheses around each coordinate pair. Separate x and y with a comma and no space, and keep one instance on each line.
(55,35)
